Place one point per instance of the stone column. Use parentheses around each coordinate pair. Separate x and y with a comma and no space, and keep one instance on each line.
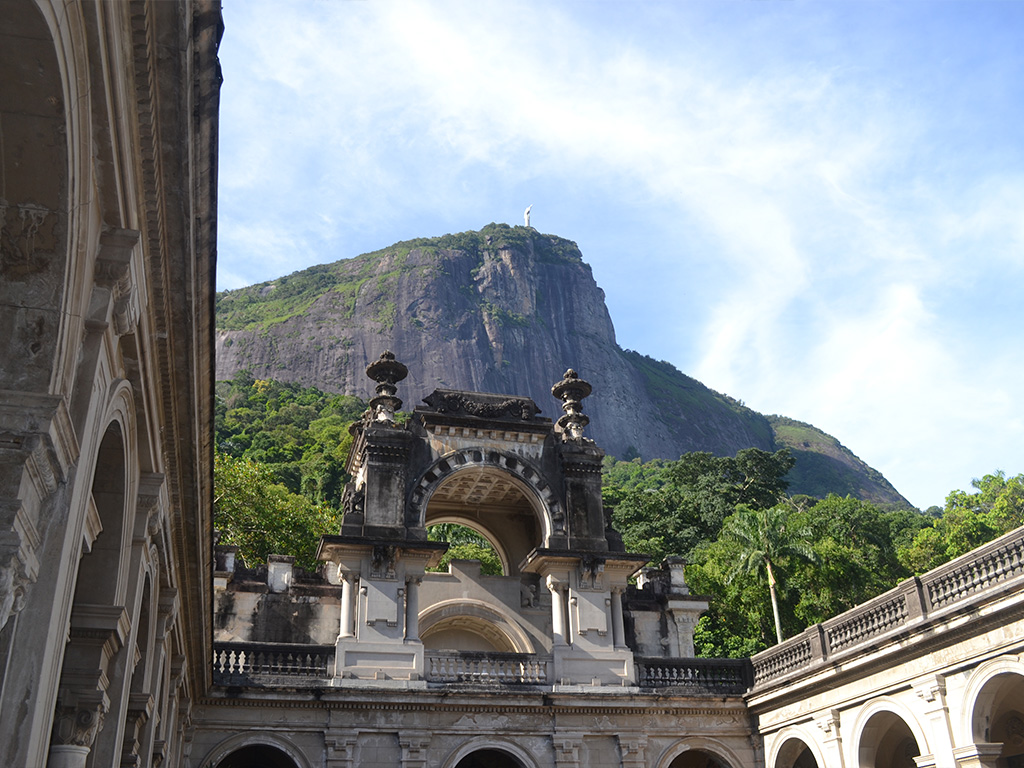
(412,609)
(74,731)
(557,611)
(618,631)
(347,601)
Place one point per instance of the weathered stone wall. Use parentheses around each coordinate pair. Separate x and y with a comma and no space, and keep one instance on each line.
(108,113)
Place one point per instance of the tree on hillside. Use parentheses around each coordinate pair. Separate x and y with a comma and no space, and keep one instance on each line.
(671,508)
(765,538)
(855,554)
(968,521)
(262,517)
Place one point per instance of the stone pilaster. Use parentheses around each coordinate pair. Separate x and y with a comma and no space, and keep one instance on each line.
(37,450)
(832,741)
(631,749)
(414,746)
(932,691)
(567,749)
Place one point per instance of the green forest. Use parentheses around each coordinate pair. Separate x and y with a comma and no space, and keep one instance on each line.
(771,563)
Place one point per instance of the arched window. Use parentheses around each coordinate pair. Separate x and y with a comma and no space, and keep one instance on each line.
(795,754)
(698,758)
(999,717)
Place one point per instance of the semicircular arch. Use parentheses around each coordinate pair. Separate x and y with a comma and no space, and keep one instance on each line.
(863,729)
(239,741)
(527,477)
(480,743)
(785,748)
(480,617)
(706,744)
(979,698)
(483,530)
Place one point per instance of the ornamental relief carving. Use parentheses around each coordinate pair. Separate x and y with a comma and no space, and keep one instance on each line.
(77,726)
(26,239)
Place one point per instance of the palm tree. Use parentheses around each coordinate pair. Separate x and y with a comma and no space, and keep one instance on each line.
(765,537)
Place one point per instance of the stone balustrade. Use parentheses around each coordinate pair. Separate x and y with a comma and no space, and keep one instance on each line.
(709,676)
(866,621)
(487,668)
(963,584)
(255,663)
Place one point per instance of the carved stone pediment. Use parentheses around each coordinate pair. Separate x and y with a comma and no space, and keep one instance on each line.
(482,405)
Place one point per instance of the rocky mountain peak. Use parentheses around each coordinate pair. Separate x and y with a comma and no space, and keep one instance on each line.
(503,310)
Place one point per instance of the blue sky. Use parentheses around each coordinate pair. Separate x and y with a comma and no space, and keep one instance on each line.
(815,207)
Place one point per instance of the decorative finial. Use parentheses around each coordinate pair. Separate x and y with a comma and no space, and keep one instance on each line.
(387,372)
(571,390)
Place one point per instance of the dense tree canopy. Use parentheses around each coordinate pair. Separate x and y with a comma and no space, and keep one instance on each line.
(300,434)
(969,519)
(262,517)
(667,508)
(279,468)
(856,550)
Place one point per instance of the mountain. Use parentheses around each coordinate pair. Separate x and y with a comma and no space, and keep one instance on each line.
(508,310)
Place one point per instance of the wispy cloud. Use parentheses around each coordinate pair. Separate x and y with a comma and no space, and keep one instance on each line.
(795,203)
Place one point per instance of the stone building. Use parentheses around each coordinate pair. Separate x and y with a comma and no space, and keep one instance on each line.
(108,135)
(560,661)
(128,639)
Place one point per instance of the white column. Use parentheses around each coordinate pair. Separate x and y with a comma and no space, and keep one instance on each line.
(557,611)
(412,609)
(67,756)
(347,598)
(618,631)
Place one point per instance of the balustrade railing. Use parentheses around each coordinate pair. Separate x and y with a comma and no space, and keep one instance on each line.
(865,621)
(237,663)
(782,659)
(957,581)
(712,676)
(486,668)
(972,579)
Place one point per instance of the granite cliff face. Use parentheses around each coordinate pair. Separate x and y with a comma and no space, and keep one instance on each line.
(503,310)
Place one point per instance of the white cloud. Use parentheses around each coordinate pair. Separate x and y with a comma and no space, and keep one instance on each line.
(817,196)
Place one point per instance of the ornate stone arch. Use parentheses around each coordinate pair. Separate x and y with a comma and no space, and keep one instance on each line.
(530,479)
(489,620)
(479,743)
(783,739)
(255,739)
(878,706)
(703,743)
(978,697)
(119,416)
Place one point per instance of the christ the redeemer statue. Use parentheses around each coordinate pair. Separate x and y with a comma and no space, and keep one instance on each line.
(526,215)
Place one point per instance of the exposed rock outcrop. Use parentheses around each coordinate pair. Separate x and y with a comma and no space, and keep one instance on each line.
(504,310)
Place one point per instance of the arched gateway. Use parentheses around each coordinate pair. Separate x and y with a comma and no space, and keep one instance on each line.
(548,664)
